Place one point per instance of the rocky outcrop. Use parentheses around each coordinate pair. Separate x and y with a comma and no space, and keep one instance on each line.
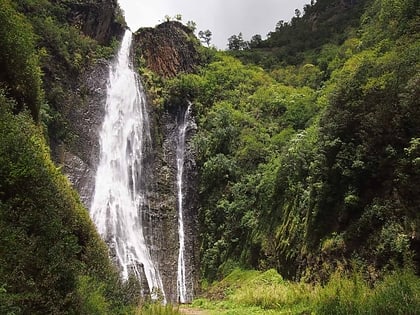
(98,19)
(168,49)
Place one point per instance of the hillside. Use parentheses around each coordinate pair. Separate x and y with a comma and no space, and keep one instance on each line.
(311,167)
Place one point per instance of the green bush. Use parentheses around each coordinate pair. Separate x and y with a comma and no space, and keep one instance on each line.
(93,297)
(19,60)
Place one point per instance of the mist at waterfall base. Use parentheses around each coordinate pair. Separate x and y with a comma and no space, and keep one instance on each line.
(119,204)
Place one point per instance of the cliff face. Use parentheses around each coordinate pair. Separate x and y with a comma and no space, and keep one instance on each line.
(164,202)
(80,157)
(168,49)
(98,19)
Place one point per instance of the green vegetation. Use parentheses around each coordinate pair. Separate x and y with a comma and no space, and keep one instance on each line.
(19,60)
(251,292)
(44,39)
(157,309)
(312,165)
(51,257)
(326,22)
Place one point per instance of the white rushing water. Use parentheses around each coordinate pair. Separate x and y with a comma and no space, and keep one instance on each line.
(180,153)
(119,200)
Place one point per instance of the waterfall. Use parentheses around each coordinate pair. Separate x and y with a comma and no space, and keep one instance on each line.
(180,152)
(119,203)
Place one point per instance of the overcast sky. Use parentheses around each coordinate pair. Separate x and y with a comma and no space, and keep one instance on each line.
(222,17)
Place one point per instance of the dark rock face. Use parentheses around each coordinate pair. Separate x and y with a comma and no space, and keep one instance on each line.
(99,19)
(168,49)
(163,202)
(80,159)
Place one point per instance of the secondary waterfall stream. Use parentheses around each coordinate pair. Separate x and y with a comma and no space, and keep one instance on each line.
(119,203)
(180,153)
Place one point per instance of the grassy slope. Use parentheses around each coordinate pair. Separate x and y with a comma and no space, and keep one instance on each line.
(252,292)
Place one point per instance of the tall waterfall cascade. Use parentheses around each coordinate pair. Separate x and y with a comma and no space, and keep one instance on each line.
(182,291)
(120,202)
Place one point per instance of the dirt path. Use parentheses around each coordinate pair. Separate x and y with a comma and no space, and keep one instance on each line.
(192,311)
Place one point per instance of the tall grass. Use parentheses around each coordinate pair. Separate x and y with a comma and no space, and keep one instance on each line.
(342,295)
(398,293)
(267,293)
(157,309)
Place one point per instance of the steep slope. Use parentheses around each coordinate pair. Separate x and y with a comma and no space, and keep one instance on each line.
(48,243)
(301,39)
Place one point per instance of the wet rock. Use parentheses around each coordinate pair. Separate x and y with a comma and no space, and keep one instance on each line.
(169,51)
(80,157)
(164,203)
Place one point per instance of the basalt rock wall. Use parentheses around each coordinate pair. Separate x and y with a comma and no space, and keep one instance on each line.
(168,50)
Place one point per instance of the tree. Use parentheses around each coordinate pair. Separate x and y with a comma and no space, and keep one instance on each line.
(279,25)
(256,41)
(192,25)
(205,36)
(236,42)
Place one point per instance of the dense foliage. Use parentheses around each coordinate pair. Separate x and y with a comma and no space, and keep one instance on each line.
(21,74)
(313,166)
(302,38)
(52,260)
